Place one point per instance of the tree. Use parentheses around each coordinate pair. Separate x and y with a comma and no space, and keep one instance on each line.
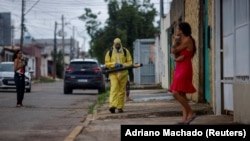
(128,19)
(59,64)
(91,24)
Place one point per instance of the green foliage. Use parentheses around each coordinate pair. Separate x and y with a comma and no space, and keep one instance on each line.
(59,64)
(128,20)
(91,24)
(101,99)
(91,108)
(44,80)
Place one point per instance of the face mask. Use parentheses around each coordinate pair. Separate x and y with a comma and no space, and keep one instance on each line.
(117,46)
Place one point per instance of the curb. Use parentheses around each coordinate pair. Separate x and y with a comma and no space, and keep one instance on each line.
(90,117)
(147,114)
(78,129)
(154,86)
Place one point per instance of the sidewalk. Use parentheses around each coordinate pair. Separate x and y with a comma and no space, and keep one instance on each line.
(150,107)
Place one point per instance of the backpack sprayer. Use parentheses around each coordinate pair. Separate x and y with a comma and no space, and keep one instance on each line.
(136,65)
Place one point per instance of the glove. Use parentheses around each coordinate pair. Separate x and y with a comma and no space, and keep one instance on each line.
(118,65)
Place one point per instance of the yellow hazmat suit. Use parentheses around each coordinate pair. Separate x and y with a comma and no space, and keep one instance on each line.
(118,79)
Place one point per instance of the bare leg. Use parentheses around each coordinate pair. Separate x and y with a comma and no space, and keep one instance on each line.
(186,109)
(184,114)
(189,110)
(181,100)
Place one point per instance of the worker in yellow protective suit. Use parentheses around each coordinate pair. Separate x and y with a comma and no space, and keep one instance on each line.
(118,80)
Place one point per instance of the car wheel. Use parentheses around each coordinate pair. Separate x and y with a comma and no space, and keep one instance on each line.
(101,90)
(28,90)
(67,90)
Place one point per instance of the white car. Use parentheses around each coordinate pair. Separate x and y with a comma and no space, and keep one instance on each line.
(7,77)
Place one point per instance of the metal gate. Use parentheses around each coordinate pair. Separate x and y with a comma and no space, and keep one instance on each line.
(144,53)
(235,46)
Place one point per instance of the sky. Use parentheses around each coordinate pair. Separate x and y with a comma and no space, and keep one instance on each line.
(41,15)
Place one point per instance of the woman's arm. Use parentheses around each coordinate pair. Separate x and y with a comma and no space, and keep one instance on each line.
(177,41)
(179,58)
(17,65)
(180,47)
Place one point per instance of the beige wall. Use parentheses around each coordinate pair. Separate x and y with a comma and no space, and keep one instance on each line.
(192,16)
(176,11)
(191,13)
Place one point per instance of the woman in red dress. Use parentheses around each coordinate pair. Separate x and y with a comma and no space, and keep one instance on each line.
(183,73)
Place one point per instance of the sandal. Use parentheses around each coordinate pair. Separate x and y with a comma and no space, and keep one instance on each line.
(191,119)
(181,123)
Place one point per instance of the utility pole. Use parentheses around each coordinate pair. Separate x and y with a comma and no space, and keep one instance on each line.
(73,44)
(12,36)
(63,40)
(22,25)
(55,52)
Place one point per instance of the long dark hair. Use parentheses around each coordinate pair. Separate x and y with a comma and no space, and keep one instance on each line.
(186,30)
(15,55)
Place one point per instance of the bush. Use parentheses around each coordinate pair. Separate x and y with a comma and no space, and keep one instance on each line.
(44,80)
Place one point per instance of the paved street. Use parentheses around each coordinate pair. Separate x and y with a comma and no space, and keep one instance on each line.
(48,115)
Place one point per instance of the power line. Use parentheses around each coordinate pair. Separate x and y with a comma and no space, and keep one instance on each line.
(43,13)
(32,7)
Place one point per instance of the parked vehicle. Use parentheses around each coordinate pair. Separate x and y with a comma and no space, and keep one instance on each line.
(104,69)
(84,74)
(7,76)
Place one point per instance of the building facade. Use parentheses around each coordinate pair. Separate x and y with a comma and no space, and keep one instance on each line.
(221,29)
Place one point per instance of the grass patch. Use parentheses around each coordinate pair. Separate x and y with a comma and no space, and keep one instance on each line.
(101,99)
(44,80)
(91,108)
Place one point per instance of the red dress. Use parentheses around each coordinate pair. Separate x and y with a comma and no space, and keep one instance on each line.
(183,74)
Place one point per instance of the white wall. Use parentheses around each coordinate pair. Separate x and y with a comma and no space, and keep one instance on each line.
(32,65)
(164,55)
(44,67)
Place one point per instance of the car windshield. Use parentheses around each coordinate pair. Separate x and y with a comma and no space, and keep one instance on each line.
(6,68)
